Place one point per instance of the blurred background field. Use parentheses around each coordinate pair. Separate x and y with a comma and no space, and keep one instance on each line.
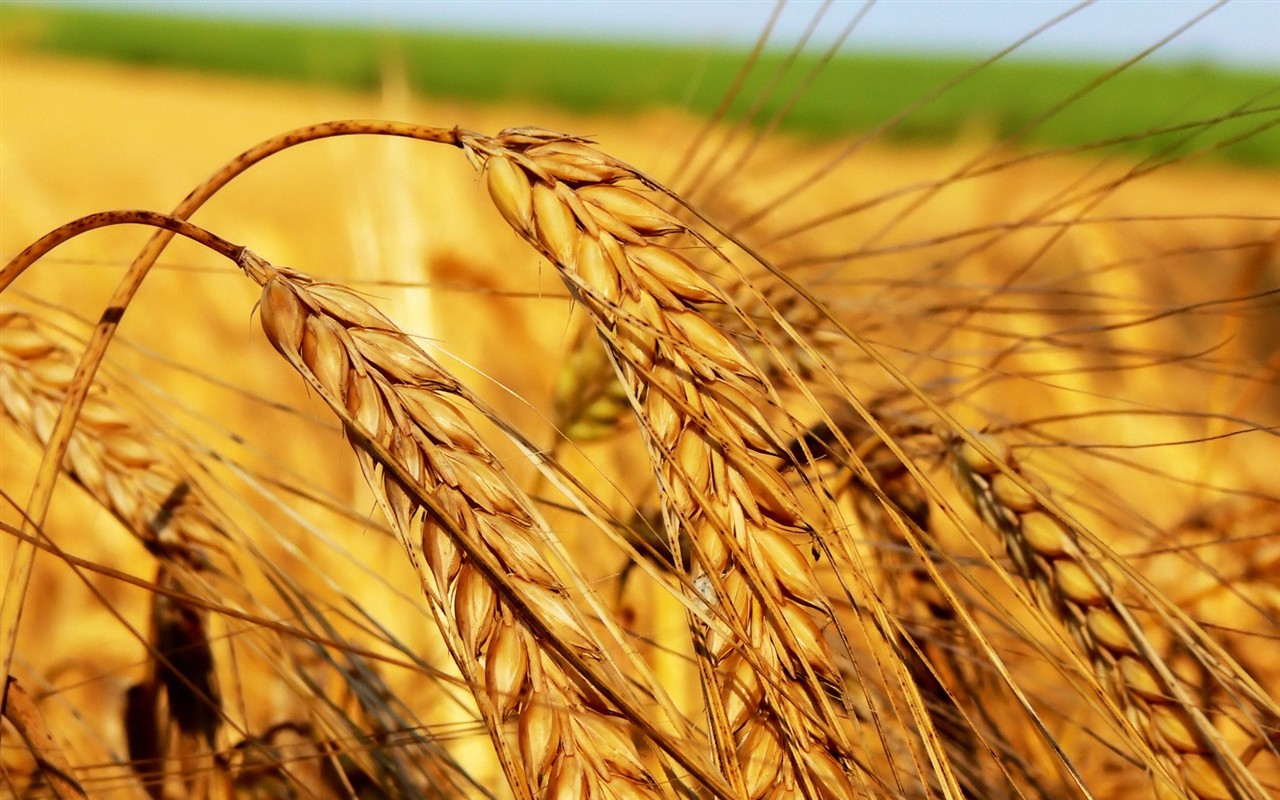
(849,90)
(1157,253)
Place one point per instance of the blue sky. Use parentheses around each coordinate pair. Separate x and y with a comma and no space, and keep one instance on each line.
(1240,32)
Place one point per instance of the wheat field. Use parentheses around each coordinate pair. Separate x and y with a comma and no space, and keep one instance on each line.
(529,466)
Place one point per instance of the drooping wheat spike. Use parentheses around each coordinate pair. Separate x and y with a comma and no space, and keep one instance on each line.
(715,430)
(1052,554)
(517,635)
(930,636)
(120,464)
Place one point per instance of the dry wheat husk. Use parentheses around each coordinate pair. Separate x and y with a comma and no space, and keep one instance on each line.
(1071,580)
(715,430)
(516,633)
(51,762)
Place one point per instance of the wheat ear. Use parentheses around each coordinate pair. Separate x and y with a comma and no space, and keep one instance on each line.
(923,612)
(479,549)
(124,467)
(1052,554)
(773,703)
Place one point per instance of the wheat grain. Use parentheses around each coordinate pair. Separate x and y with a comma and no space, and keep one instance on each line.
(591,402)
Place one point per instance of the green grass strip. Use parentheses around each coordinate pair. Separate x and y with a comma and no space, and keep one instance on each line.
(853,92)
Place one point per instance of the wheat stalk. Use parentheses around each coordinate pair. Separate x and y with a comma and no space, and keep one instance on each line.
(21,711)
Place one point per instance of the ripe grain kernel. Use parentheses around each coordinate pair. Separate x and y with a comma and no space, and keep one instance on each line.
(600,222)
(761,756)
(743,418)
(646,283)
(1109,631)
(694,465)
(345,308)
(550,606)
(613,748)
(1044,534)
(511,192)
(769,489)
(443,557)
(813,648)
(1174,726)
(568,779)
(789,566)
(743,692)
(1011,495)
(577,163)
(128,450)
(283,317)
(1074,582)
(709,340)
(395,355)
(474,606)
(1143,681)
(713,547)
(632,209)
(24,343)
(323,353)
(830,778)
(597,270)
(506,668)
(677,273)
(662,416)
(539,737)
(555,224)
(56,375)
(1204,779)
(980,463)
